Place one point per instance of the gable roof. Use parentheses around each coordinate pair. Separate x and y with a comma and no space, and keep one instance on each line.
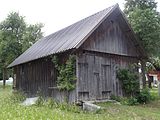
(68,38)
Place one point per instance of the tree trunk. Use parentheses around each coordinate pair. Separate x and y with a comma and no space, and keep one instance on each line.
(143,64)
(4,77)
(159,88)
(149,81)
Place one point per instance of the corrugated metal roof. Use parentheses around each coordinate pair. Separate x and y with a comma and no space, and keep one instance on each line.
(68,38)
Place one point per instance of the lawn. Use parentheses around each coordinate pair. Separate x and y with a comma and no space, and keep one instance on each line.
(12,110)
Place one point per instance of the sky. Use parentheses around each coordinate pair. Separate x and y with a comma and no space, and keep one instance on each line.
(56,14)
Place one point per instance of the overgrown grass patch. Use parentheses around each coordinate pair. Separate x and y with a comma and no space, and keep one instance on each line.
(12,110)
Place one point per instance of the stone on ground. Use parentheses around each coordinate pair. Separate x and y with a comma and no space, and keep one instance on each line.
(30,101)
(90,106)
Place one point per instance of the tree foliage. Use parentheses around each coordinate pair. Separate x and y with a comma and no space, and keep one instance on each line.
(130,5)
(32,34)
(155,61)
(145,21)
(15,37)
(12,30)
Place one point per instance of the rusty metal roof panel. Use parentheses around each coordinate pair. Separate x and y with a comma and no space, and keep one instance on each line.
(62,40)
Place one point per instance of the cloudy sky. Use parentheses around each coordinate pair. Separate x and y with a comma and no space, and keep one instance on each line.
(56,14)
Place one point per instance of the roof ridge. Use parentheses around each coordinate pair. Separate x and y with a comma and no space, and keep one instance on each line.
(67,38)
(113,6)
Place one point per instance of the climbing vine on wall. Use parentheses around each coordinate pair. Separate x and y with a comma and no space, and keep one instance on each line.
(66,73)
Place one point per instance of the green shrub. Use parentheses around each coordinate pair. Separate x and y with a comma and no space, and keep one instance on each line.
(124,101)
(116,98)
(132,101)
(130,82)
(144,96)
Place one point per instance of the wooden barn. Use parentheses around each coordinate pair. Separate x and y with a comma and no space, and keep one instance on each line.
(102,43)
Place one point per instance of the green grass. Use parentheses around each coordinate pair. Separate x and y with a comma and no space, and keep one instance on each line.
(10,109)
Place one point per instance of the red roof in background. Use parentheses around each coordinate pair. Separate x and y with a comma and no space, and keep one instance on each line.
(154,72)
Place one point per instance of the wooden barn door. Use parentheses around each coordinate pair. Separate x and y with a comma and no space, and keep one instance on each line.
(106,81)
(94,77)
(97,83)
(102,78)
(83,85)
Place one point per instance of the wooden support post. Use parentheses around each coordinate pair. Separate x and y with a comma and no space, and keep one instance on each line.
(14,81)
(77,76)
(143,65)
(149,81)
(158,88)
(4,77)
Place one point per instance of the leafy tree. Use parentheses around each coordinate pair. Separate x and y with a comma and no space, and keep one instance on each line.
(15,37)
(32,34)
(145,21)
(130,5)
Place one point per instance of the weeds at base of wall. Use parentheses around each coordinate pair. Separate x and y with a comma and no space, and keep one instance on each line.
(17,96)
(64,106)
(52,104)
(143,97)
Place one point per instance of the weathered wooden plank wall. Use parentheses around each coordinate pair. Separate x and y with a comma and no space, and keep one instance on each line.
(41,76)
(104,52)
(111,37)
(97,75)
(35,76)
